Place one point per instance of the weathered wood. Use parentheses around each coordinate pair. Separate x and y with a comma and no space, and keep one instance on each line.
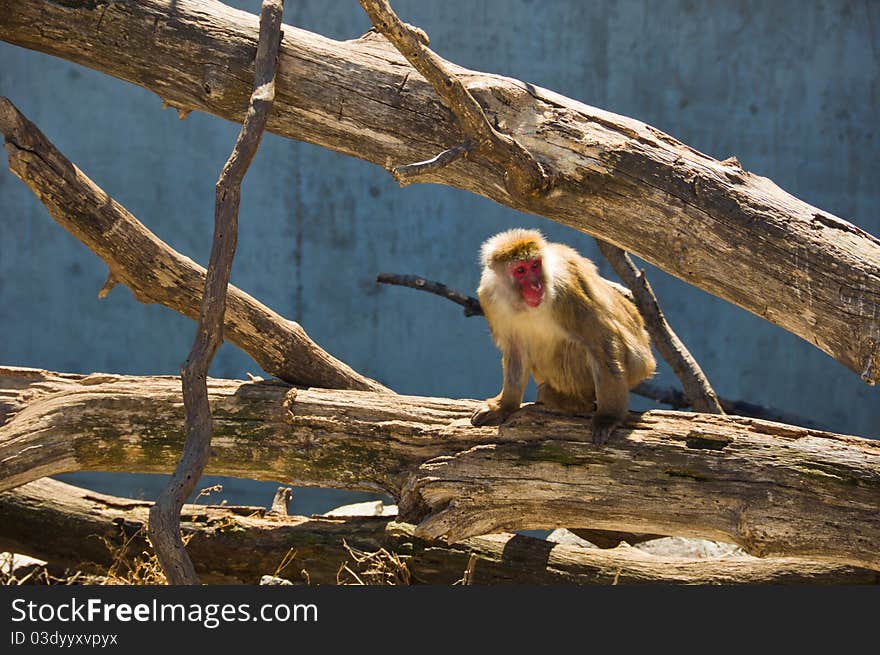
(524,177)
(154,271)
(232,548)
(710,223)
(283,496)
(772,488)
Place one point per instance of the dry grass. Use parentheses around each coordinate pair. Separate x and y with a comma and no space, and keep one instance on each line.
(135,568)
(380,567)
(130,566)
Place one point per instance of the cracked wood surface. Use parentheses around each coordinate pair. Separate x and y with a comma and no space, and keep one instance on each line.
(711,223)
(776,490)
(230,546)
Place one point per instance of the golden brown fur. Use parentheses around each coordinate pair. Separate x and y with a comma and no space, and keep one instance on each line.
(584,344)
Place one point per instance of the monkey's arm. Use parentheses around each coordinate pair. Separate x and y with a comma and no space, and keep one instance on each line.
(612,390)
(516,376)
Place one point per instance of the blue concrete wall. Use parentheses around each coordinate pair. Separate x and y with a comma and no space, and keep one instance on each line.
(790,88)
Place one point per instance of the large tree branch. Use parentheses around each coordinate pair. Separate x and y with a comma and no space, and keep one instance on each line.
(774,489)
(154,271)
(234,548)
(710,223)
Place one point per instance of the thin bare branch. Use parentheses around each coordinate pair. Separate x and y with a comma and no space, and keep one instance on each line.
(676,399)
(700,394)
(410,173)
(471,305)
(165,514)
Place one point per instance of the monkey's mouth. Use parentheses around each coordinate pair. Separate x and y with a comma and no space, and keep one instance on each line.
(533,294)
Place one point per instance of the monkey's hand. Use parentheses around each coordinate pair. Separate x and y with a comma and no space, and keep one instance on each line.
(491,413)
(603,426)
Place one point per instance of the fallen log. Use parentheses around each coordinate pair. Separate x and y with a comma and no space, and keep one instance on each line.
(92,530)
(711,223)
(774,489)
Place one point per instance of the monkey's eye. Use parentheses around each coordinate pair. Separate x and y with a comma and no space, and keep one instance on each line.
(520,270)
(536,265)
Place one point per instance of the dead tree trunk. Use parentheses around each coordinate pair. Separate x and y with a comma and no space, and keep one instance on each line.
(710,223)
(772,488)
(237,546)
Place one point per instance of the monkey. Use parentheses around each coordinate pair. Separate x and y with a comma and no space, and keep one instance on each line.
(554,317)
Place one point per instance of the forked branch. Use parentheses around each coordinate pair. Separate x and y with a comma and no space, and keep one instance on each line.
(524,176)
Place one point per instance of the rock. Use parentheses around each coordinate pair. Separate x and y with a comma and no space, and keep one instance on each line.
(690,548)
(569,538)
(273,580)
(17,566)
(368,508)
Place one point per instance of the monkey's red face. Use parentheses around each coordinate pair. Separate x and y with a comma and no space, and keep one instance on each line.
(530,278)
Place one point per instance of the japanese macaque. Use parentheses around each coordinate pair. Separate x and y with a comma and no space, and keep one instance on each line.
(554,317)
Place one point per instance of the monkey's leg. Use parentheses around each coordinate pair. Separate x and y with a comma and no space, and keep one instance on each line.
(516,375)
(640,364)
(612,399)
